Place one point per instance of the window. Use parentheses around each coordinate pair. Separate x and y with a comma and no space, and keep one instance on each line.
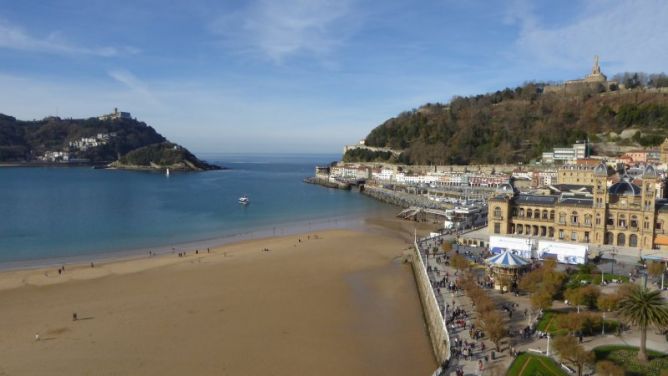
(562,218)
(586,238)
(659,225)
(497,212)
(521,212)
(574,236)
(634,221)
(529,213)
(520,229)
(536,214)
(514,212)
(611,221)
(552,215)
(633,240)
(598,219)
(622,221)
(497,228)
(621,239)
(544,214)
(561,234)
(574,218)
(609,237)
(551,232)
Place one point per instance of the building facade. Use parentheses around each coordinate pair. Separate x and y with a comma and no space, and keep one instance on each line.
(625,214)
(576,174)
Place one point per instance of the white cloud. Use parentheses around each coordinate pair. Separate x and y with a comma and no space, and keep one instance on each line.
(136,85)
(280,29)
(13,37)
(628,35)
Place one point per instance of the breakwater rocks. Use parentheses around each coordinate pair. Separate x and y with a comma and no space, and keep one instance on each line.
(327,183)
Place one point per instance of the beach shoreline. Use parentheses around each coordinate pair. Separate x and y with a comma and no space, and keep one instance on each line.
(13,275)
(331,302)
(262,232)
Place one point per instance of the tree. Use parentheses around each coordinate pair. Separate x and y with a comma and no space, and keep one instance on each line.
(608,302)
(644,308)
(541,300)
(459,262)
(492,324)
(655,269)
(571,321)
(586,295)
(575,296)
(570,351)
(608,368)
(447,247)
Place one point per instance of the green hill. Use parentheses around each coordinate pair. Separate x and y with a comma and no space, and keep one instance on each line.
(517,125)
(162,155)
(91,141)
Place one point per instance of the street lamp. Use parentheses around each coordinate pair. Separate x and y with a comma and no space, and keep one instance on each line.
(614,253)
(548,344)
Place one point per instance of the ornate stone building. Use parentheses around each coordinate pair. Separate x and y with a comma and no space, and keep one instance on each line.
(595,80)
(663,152)
(625,214)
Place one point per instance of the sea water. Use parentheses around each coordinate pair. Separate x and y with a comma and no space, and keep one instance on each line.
(53,213)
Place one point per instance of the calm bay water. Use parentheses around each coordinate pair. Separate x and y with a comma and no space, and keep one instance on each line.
(67,212)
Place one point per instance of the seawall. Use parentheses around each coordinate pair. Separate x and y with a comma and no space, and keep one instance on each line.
(327,183)
(438,333)
(404,200)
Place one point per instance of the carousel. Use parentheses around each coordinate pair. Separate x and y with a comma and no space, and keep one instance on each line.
(506,268)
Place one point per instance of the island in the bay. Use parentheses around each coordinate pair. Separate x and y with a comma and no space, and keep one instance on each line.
(114,140)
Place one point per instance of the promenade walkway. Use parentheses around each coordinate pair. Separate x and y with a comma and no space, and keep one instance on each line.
(449,302)
(517,308)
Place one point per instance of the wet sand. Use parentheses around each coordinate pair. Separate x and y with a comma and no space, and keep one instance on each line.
(342,304)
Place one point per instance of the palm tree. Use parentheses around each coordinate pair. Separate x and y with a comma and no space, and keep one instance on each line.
(644,308)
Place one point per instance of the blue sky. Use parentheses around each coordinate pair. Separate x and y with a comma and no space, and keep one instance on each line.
(298,75)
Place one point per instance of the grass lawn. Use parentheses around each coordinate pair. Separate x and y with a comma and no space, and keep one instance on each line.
(578,279)
(626,357)
(527,364)
(548,323)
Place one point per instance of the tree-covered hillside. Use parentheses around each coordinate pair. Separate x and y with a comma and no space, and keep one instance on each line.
(161,155)
(517,125)
(26,140)
(91,140)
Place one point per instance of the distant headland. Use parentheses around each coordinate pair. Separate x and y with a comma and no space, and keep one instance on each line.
(114,140)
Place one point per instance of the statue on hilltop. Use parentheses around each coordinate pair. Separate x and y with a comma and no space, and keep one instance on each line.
(596,69)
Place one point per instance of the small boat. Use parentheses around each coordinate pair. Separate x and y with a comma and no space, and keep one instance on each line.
(167,173)
(243,200)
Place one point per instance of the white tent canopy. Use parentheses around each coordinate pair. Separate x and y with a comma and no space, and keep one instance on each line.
(567,253)
(516,245)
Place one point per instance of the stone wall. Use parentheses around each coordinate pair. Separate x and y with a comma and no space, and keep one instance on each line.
(401,199)
(438,332)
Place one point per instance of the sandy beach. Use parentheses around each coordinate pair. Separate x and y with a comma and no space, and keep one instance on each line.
(336,302)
